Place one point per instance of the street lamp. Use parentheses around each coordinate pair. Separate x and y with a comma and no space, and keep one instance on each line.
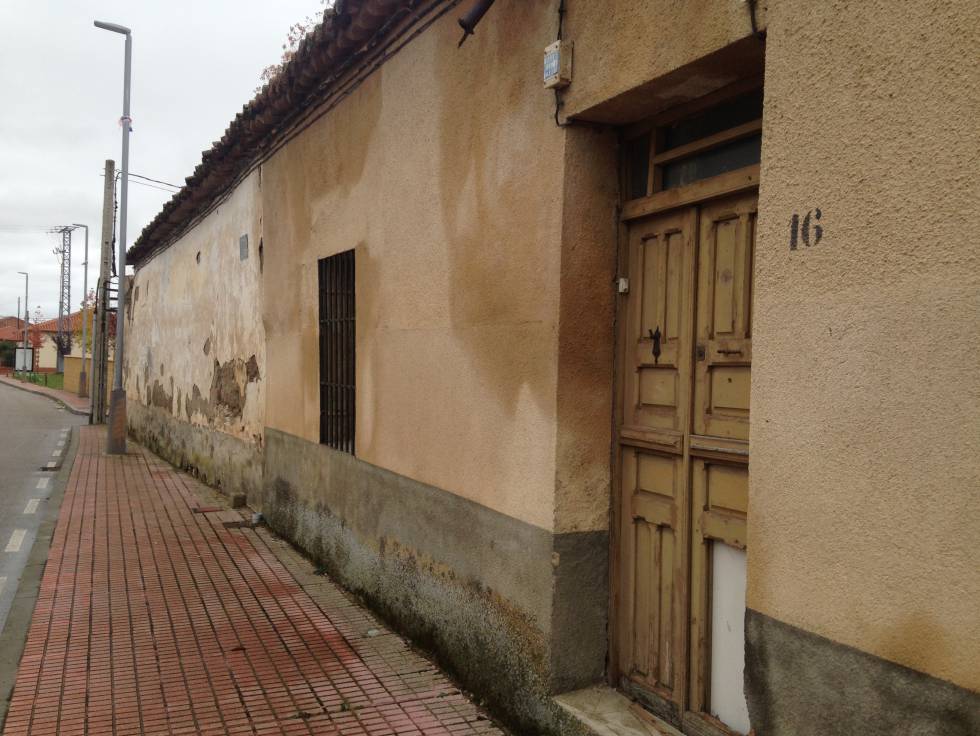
(83,376)
(116,441)
(27,314)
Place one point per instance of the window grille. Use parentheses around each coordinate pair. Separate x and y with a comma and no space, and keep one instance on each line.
(337,346)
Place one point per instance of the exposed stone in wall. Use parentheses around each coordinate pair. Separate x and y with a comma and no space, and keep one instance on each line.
(160,398)
(252,370)
(226,398)
(196,403)
(229,382)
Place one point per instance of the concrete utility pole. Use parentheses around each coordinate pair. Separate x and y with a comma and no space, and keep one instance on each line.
(100,346)
(116,444)
(27,314)
(83,376)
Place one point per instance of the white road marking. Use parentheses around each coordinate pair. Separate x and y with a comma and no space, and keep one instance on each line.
(16,540)
(31,506)
(42,483)
(61,444)
(52,465)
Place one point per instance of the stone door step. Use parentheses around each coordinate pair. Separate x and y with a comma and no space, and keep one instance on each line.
(607,712)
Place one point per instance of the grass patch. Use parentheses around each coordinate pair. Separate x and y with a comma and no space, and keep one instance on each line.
(51,380)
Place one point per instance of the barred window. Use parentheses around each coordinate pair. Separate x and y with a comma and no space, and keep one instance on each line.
(337,345)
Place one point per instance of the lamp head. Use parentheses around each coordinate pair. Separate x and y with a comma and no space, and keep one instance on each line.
(114,27)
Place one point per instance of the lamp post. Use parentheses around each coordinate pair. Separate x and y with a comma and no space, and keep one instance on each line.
(83,376)
(27,314)
(116,441)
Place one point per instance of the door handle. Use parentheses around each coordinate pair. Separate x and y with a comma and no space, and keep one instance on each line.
(655,336)
(729,352)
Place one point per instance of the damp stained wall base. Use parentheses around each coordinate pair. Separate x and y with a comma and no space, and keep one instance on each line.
(514,612)
(801,684)
(218,459)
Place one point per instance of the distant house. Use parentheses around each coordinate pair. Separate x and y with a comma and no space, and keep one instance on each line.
(11,334)
(11,329)
(48,359)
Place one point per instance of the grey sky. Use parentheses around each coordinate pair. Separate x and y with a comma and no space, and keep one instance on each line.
(195,63)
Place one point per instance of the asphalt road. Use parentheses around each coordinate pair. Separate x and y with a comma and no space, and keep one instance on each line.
(34,431)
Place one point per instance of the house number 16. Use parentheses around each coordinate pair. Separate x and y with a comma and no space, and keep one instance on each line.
(803,231)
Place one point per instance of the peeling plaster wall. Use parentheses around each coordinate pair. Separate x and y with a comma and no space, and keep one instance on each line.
(195,345)
(863,510)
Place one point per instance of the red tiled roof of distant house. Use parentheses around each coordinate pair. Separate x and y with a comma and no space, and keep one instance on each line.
(50,326)
(12,333)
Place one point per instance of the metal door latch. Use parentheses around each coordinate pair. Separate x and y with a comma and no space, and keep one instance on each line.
(655,336)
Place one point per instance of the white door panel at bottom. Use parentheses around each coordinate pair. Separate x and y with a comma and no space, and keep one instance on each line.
(728,636)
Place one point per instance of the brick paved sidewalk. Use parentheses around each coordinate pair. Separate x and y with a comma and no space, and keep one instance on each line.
(155,619)
(70,400)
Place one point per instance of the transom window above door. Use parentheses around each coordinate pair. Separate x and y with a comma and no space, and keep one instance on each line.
(676,149)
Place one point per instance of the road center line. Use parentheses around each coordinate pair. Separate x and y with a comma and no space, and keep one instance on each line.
(42,483)
(16,540)
(31,506)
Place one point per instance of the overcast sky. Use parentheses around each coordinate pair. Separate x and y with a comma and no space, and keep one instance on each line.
(195,63)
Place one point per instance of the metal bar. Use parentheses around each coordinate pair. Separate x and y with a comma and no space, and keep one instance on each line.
(335,276)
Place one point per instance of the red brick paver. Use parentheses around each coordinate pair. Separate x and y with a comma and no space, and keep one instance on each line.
(153,619)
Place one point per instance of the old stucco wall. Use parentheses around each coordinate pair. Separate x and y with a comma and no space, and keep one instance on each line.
(865,390)
(431,170)
(586,330)
(195,345)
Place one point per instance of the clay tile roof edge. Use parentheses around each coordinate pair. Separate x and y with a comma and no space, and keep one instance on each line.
(324,52)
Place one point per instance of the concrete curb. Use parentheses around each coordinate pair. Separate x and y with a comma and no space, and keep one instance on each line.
(28,389)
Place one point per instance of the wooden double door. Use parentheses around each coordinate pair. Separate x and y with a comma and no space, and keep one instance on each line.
(684,456)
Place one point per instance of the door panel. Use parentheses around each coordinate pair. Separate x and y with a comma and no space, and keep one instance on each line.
(661,256)
(724,316)
(656,412)
(652,482)
(720,500)
(683,455)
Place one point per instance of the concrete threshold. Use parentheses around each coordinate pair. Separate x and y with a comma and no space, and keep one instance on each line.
(603,711)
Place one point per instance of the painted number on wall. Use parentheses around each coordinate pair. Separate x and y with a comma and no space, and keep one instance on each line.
(809,230)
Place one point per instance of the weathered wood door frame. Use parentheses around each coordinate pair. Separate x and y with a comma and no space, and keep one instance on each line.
(686,694)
